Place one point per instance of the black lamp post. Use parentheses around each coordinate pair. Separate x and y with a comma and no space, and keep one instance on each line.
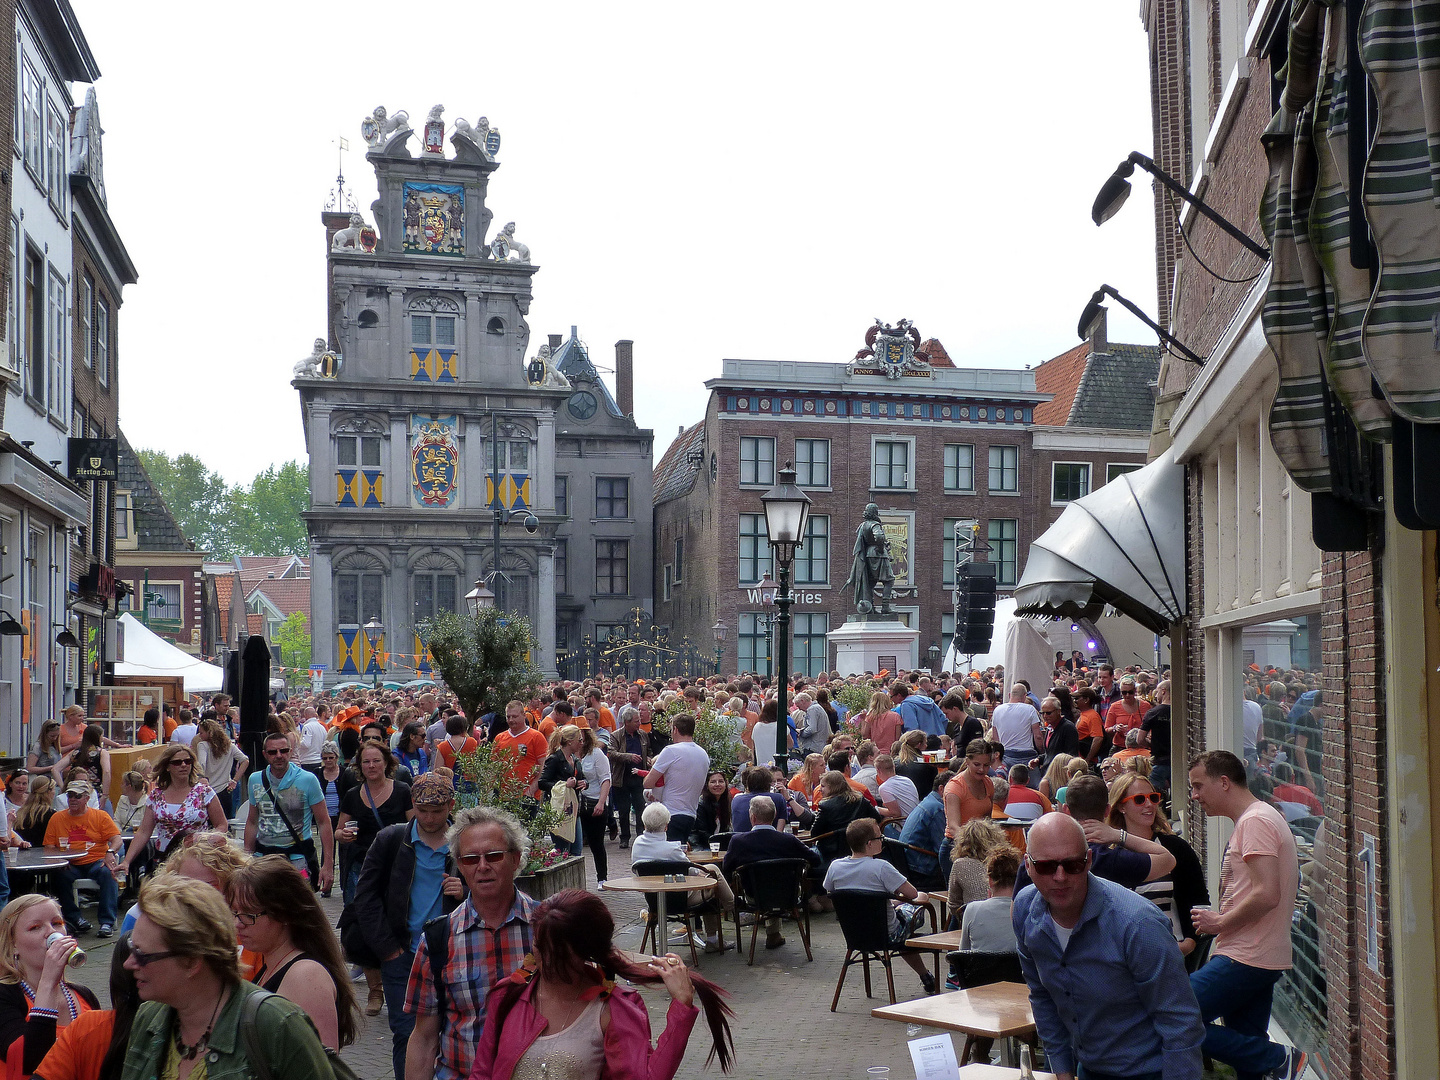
(719,630)
(1095,306)
(373,631)
(787,510)
(1117,189)
(934,654)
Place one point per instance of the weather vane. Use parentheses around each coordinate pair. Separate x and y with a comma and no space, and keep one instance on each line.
(340,199)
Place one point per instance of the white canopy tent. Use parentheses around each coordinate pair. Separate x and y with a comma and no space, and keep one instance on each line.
(147,653)
(1122,545)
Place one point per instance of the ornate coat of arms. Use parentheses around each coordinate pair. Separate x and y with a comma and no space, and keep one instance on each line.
(892,351)
(434,460)
(434,217)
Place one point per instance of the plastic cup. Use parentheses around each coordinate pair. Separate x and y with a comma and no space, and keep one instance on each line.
(715,847)
(11,854)
(64,843)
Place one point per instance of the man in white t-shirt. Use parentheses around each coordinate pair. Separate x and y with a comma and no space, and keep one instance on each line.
(1017,726)
(187,729)
(678,777)
(312,741)
(898,793)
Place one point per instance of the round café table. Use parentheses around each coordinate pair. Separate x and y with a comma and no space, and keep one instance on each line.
(706,857)
(655,883)
(38,863)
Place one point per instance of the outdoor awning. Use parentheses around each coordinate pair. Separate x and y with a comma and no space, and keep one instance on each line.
(147,653)
(1122,545)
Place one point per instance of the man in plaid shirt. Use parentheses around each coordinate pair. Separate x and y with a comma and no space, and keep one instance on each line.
(488,937)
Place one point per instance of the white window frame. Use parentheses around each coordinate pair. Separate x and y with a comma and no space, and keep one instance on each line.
(946,466)
(122,515)
(758,461)
(32,120)
(806,480)
(764,557)
(87,320)
(1123,466)
(667,582)
(102,338)
(359,443)
(56,382)
(1089,474)
(430,317)
(809,662)
(15,324)
(57,170)
(750,629)
(990,469)
(1000,578)
(910,470)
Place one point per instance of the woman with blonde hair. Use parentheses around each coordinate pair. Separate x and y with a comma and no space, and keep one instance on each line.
(183,956)
(1136,807)
(1078,767)
(563,767)
(35,813)
(977,840)
(35,1000)
(880,723)
(1140,765)
(1054,778)
(807,778)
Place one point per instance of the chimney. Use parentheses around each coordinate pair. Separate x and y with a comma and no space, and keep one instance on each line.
(554,343)
(1095,334)
(625,377)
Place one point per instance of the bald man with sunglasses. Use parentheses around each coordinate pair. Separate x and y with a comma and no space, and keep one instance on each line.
(1107,985)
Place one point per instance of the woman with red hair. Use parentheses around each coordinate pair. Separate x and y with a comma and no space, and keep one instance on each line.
(563,1010)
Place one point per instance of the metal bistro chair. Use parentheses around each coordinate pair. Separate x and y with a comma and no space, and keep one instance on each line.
(772,887)
(865,921)
(654,932)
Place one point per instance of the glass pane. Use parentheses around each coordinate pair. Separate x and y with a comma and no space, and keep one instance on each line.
(420,329)
(372,587)
(345,451)
(370,451)
(444,330)
(519,456)
(562,496)
(445,589)
(347,599)
(424,597)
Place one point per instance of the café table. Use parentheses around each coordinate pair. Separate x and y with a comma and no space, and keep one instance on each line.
(656,883)
(39,862)
(997,1011)
(997,1072)
(707,857)
(939,944)
(942,895)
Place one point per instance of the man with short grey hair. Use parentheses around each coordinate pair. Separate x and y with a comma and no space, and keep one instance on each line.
(461,955)
(1017,726)
(815,732)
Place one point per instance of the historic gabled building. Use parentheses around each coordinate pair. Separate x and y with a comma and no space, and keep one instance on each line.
(417,400)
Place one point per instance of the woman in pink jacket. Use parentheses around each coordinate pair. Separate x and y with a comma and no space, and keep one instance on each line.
(562,1012)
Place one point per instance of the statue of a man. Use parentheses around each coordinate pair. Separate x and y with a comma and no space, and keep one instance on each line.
(870,566)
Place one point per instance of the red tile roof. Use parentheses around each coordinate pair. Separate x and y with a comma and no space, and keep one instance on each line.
(288,594)
(938,356)
(224,589)
(255,624)
(1061,377)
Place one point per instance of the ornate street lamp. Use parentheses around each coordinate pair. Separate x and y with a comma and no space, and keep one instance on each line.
(373,632)
(934,653)
(787,510)
(479,598)
(719,630)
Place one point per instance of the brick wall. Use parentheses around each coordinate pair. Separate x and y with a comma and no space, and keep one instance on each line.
(1170,119)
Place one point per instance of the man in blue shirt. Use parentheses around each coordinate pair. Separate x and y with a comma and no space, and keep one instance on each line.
(925,828)
(408,879)
(287,808)
(1107,982)
(917,711)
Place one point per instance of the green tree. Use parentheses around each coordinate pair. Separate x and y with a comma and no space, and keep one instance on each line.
(293,637)
(269,521)
(484,659)
(202,503)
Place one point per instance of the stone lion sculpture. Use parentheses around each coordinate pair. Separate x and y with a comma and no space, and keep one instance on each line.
(379,126)
(309,368)
(506,248)
(349,239)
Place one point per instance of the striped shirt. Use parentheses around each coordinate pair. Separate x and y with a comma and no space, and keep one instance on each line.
(480,956)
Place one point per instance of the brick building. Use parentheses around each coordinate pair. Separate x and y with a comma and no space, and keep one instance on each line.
(1295,558)
(950,445)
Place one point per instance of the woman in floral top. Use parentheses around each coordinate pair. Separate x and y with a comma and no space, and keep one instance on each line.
(177,804)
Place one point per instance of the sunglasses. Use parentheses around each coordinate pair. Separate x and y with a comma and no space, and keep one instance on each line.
(1141,798)
(1049,712)
(145,959)
(182,761)
(1048,867)
(278,753)
(473,859)
(1126,693)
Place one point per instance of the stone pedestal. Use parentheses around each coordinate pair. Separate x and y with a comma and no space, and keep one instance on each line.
(871,644)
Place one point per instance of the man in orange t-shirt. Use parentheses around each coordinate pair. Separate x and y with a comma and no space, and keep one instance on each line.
(96,832)
(524,745)
(595,701)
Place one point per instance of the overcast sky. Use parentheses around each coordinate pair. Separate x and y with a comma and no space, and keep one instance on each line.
(745,180)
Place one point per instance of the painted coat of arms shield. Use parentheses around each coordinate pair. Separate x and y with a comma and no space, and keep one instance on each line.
(435,461)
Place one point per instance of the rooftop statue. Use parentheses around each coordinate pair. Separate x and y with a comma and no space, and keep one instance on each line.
(891,351)
(378,127)
(358,238)
(541,372)
(506,248)
(484,138)
(320,364)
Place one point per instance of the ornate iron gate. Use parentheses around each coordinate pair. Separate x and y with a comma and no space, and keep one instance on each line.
(643,651)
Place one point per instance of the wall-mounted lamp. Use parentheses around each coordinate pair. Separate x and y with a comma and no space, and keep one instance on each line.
(1096,306)
(10,626)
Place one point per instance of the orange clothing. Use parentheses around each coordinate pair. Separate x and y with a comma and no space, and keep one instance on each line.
(607,718)
(69,740)
(91,830)
(80,1047)
(1089,725)
(970,806)
(527,751)
(170,725)
(546,728)
(144,735)
(250,963)
(446,752)
(800,784)
(1134,751)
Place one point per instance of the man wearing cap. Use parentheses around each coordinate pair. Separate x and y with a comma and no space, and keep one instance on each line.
(408,878)
(96,833)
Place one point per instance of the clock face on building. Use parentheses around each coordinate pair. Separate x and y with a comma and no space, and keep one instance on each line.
(582,405)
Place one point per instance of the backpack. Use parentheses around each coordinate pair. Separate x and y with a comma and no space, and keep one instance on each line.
(255,1050)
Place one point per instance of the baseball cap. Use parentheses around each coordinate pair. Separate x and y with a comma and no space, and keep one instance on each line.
(80,787)
(431,790)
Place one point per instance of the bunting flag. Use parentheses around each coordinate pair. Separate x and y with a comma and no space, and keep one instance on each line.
(359,487)
(435,365)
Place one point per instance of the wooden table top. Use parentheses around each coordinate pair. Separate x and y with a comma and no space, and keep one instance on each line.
(943,895)
(942,942)
(656,883)
(997,1072)
(996,1011)
(702,858)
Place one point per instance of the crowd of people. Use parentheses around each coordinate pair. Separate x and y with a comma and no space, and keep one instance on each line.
(905,784)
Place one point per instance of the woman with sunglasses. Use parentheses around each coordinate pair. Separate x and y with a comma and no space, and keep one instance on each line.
(179,805)
(183,957)
(1135,807)
(277,916)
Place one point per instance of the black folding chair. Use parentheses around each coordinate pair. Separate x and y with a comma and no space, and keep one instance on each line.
(656,934)
(771,888)
(865,921)
(722,838)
